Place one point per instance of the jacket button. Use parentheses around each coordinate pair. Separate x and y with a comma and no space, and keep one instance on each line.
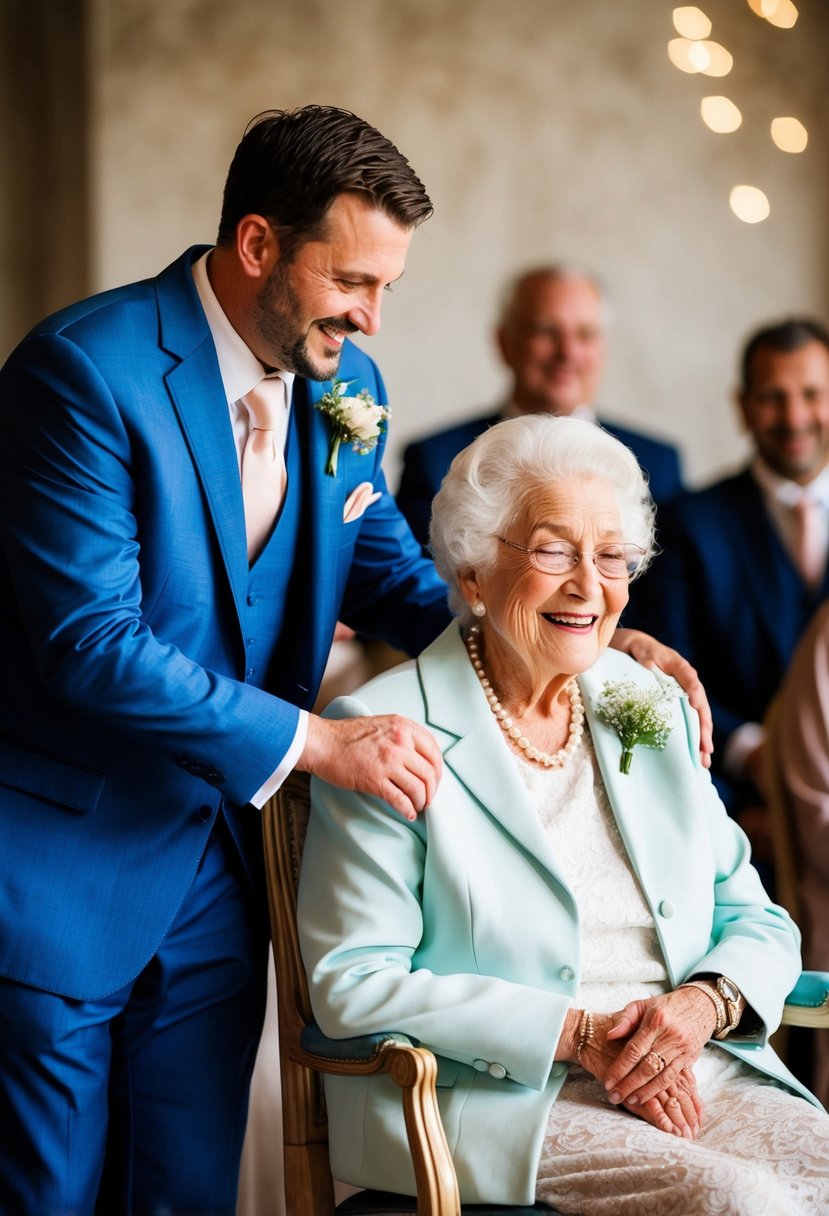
(481,1065)
(558,1070)
(567,974)
(666,909)
(497,1071)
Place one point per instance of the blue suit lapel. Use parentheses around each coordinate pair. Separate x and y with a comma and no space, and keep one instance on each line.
(198,396)
(772,581)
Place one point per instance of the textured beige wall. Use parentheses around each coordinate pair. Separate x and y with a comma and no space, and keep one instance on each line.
(542,128)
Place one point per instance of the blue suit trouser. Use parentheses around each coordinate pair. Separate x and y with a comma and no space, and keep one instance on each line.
(137,1103)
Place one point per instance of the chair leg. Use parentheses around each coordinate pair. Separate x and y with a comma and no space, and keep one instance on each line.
(309,1190)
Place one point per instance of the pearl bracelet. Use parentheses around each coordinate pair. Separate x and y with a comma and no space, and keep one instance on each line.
(585,1033)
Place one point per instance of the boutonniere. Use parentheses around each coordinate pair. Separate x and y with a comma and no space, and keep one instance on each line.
(356,420)
(638,715)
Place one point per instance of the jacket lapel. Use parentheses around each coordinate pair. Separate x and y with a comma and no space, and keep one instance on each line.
(197,393)
(474,749)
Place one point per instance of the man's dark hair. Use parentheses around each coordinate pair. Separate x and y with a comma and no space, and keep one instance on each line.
(292,164)
(785,336)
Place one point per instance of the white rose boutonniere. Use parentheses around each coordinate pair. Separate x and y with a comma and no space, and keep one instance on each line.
(638,715)
(357,420)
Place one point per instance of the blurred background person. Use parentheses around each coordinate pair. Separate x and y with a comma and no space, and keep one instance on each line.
(552,336)
(743,566)
(803,750)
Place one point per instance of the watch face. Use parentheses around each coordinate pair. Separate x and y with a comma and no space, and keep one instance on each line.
(728,988)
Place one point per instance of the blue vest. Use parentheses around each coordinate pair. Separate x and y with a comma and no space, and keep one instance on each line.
(267,613)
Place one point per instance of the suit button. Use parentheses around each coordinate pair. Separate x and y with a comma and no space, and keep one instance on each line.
(202,815)
(666,909)
(481,1065)
(253,599)
(567,974)
(497,1071)
(249,672)
(558,1070)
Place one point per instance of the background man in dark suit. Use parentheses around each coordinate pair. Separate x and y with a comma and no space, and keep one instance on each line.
(743,562)
(552,337)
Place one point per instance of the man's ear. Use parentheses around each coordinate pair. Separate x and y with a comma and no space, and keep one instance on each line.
(742,406)
(257,246)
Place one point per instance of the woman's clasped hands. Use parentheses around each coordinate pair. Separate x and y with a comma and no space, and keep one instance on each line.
(644,1057)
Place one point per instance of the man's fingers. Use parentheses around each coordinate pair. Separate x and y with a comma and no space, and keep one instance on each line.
(386,755)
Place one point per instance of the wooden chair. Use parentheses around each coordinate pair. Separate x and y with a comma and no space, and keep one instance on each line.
(305,1054)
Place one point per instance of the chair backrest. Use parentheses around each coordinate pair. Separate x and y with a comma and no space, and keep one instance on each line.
(304,1124)
(786,857)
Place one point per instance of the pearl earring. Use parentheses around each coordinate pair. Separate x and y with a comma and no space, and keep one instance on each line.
(479,608)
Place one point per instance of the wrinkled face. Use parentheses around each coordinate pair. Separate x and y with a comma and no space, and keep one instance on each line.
(554,623)
(786,409)
(553,340)
(332,287)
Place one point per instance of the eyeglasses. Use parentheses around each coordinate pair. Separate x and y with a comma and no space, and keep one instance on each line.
(559,557)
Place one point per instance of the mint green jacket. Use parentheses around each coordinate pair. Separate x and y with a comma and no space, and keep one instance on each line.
(460,931)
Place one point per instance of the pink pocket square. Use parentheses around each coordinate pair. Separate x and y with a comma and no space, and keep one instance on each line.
(359,500)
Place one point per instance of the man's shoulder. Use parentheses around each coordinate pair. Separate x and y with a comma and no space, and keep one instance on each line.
(641,442)
(115,308)
(453,438)
(725,494)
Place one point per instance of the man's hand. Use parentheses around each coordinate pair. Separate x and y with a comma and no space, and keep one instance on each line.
(387,755)
(650,653)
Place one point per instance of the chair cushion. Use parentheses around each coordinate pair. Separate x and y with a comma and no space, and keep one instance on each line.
(384,1203)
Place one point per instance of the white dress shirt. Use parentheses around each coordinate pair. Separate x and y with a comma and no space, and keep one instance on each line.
(241,371)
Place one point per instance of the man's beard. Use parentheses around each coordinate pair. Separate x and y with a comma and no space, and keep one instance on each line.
(278,308)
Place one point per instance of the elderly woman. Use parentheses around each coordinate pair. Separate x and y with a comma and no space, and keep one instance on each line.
(573,926)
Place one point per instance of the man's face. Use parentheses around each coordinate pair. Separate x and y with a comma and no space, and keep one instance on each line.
(553,340)
(786,409)
(333,286)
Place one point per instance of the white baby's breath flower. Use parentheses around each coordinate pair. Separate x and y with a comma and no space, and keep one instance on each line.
(357,420)
(637,714)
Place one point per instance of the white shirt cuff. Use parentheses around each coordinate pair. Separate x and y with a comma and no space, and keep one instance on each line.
(290,758)
(740,744)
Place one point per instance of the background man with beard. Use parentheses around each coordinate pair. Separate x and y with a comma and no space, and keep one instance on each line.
(743,563)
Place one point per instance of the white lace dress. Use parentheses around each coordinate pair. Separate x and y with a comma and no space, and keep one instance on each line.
(761,1151)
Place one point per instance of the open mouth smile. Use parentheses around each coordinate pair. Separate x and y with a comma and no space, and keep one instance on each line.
(570,621)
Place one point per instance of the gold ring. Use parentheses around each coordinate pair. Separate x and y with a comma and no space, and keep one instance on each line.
(656,1060)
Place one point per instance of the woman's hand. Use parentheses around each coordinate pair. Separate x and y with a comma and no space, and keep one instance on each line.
(676,1108)
(665,1036)
(651,653)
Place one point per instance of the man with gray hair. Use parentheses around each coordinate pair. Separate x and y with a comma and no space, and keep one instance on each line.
(551,335)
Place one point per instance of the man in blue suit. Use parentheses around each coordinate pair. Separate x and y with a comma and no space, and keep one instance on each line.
(552,337)
(158,667)
(734,586)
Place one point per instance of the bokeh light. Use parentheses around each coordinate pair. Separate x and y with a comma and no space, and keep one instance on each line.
(720,114)
(749,204)
(687,56)
(789,134)
(691,22)
(782,13)
(720,61)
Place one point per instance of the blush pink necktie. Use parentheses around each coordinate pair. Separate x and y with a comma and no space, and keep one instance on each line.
(263,461)
(809,540)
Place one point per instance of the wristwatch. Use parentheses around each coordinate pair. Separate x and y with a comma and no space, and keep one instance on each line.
(732,999)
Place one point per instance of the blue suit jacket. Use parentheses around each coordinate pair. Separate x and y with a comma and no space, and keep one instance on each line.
(126,723)
(426,462)
(725,593)
(461,930)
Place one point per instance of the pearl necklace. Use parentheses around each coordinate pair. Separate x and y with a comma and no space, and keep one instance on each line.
(548,759)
